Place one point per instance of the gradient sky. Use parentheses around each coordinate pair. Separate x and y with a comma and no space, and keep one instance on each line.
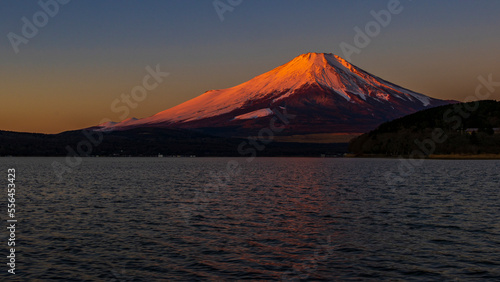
(91,51)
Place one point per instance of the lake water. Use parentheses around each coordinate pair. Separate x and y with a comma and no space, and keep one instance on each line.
(188,219)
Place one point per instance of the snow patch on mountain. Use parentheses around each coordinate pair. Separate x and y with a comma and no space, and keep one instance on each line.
(255,114)
(312,69)
(108,124)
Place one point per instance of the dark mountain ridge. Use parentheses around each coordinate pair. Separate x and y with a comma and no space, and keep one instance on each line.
(464,128)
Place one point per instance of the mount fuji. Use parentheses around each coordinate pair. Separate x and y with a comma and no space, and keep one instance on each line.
(324,93)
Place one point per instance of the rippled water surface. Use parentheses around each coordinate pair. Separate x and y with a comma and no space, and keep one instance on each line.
(188,219)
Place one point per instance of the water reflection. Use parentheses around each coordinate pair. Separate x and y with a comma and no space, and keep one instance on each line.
(279,218)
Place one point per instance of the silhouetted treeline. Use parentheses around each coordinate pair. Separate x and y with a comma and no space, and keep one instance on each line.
(463,128)
(151,142)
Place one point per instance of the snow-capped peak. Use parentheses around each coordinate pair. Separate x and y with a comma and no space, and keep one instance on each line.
(321,69)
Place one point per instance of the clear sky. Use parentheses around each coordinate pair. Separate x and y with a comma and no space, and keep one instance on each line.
(89,52)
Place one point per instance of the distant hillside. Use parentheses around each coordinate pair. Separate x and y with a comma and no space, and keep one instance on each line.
(464,128)
(315,93)
(151,142)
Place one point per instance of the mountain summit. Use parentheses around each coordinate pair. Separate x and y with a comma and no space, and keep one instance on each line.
(326,94)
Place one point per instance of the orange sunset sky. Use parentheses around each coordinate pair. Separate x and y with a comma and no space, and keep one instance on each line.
(67,76)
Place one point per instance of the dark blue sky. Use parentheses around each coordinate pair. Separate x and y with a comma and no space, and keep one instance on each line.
(90,52)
